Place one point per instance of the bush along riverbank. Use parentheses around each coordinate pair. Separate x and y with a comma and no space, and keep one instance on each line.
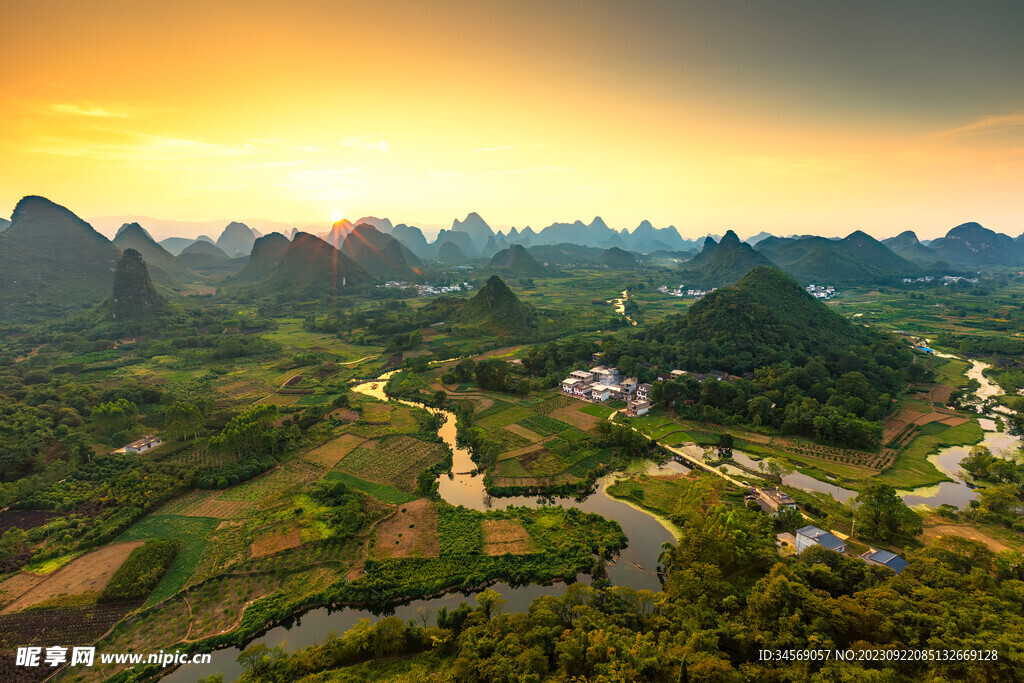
(553,544)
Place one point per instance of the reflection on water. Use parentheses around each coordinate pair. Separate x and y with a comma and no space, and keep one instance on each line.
(799,480)
(620,306)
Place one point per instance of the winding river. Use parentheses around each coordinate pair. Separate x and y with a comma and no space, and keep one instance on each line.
(620,306)
(636,566)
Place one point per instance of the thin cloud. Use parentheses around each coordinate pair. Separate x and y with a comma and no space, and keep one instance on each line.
(534,169)
(142,148)
(86,109)
(500,148)
(986,125)
(361,142)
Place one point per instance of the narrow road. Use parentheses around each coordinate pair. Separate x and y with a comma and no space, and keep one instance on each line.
(686,456)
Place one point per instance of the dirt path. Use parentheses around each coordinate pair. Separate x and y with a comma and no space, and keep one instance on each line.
(933,532)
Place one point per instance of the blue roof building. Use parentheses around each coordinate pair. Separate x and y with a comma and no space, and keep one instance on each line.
(812,535)
(884,558)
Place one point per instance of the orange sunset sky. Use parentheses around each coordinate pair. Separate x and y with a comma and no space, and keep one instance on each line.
(784,116)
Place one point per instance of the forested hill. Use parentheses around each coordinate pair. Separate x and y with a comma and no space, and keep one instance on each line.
(765,319)
(802,368)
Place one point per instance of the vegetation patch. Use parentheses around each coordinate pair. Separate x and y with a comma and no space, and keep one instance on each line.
(459,531)
(412,531)
(382,492)
(545,426)
(190,531)
(141,572)
(505,536)
(274,543)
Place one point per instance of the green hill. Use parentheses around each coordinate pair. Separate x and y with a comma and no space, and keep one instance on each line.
(721,264)
(380,254)
(51,260)
(855,259)
(310,268)
(769,316)
(202,254)
(970,244)
(619,259)
(802,368)
(134,297)
(517,260)
(566,254)
(497,308)
(267,252)
(163,266)
(449,252)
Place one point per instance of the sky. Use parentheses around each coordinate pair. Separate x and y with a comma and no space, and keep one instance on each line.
(786,116)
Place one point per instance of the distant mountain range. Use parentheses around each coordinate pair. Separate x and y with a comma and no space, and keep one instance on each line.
(52,260)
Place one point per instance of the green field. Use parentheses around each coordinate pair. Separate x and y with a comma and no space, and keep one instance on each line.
(191,531)
(382,492)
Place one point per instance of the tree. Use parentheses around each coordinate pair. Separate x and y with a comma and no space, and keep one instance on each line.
(490,602)
(776,468)
(883,514)
(183,420)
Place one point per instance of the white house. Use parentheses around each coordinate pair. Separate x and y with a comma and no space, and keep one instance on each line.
(774,500)
(568,384)
(600,392)
(643,392)
(812,535)
(636,408)
(146,443)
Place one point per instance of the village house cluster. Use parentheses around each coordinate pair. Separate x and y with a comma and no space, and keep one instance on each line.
(600,384)
(946,279)
(821,291)
(774,501)
(691,293)
(427,290)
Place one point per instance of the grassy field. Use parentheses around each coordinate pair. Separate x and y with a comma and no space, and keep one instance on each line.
(912,467)
(190,531)
(672,496)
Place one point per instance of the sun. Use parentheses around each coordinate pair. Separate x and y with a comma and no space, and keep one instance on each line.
(337,215)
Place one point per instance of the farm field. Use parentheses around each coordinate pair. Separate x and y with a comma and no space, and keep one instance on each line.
(84,576)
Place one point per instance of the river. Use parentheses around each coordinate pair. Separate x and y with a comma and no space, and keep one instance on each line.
(636,565)
(620,306)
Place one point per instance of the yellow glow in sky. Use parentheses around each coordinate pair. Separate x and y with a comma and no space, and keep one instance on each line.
(526,112)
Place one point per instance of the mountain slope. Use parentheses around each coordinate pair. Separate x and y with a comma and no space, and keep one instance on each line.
(856,259)
(380,254)
(721,264)
(175,245)
(236,240)
(413,239)
(970,244)
(462,239)
(134,297)
(769,316)
(163,266)
(516,259)
(310,268)
(50,259)
(497,308)
(476,227)
(449,252)
(267,252)
(202,254)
